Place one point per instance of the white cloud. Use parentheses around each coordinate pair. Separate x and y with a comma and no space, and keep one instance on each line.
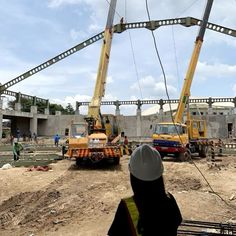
(72,100)
(146,82)
(94,28)
(85,98)
(160,90)
(110,80)
(133,97)
(152,88)
(109,97)
(205,71)
(234,89)
(75,35)
(58,3)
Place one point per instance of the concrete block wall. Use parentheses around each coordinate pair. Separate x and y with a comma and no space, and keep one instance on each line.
(148,124)
(217,125)
(128,125)
(57,124)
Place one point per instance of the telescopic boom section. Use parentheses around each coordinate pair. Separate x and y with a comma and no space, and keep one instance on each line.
(192,65)
(99,91)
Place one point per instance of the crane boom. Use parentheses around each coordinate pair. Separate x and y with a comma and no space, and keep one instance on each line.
(99,90)
(192,65)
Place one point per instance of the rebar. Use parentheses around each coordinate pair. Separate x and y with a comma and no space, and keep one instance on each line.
(191,227)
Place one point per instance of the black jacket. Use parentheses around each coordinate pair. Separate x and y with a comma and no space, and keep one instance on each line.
(162,220)
(159,214)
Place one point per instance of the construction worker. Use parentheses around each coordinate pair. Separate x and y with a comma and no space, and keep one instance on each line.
(17,148)
(126,141)
(150,211)
(56,140)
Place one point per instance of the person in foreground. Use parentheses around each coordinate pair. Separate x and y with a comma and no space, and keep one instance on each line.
(150,211)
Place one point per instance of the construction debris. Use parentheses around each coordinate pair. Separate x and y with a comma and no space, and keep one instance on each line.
(39,168)
(6,166)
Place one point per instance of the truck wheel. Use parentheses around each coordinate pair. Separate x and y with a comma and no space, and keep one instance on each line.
(162,155)
(184,156)
(203,151)
(116,161)
(79,161)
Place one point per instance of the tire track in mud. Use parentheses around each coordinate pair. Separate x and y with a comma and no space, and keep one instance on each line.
(76,194)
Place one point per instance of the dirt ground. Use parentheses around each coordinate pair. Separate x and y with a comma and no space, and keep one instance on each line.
(70,200)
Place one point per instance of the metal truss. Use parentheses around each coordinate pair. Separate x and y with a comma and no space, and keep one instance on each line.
(162,102)
(119,28)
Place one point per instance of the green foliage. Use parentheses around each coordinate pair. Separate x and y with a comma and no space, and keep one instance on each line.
(27,103)
(55,107)
(69,110)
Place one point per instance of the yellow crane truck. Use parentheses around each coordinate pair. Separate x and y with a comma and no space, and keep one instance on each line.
(178,138)
(88,141)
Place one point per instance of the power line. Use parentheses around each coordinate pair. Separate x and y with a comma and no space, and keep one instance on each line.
(188,7)
(165,82)
(174,44)
(135,65)
(114,9)
(176,58)
(133,56)
(163,72)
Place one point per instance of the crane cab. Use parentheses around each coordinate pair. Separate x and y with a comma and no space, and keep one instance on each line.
(170,138)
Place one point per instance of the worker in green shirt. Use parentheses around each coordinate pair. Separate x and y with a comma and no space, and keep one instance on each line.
(17,148)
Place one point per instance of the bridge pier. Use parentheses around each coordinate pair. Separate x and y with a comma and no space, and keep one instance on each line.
(34,120)
(1,117)
(210,109)
(139,119)
(77,105)
(46,110)
(161,114)
(117,111)
(17,106)
(161,109)
(139,123)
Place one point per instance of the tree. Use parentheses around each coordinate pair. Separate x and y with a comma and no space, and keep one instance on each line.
(27,103)
(69,109)
(55,107)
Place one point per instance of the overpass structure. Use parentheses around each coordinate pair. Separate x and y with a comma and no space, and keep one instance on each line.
(48,125)
(160,102)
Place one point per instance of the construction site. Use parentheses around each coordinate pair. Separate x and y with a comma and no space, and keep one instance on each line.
(65,174)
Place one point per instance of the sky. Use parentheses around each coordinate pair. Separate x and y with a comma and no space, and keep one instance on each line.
(34,31)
